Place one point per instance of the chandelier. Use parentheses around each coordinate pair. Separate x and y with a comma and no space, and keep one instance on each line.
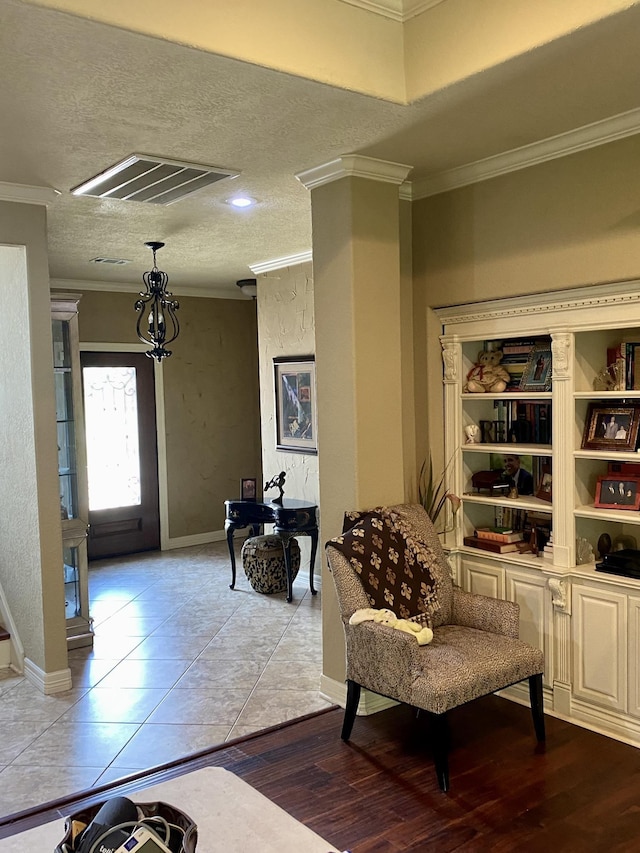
(157,311)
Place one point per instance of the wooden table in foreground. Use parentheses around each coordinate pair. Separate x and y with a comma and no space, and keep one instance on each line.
(232,817)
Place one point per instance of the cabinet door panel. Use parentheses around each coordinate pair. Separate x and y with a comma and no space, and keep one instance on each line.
(529,594)
(634,655)
(483,578)
(599,646)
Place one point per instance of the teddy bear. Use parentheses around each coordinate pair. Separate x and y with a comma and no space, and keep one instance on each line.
(422,634)
(487,374)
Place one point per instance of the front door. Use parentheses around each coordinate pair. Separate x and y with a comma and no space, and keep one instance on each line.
(122,459)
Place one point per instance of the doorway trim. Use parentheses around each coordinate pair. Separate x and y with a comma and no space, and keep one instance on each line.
(163,500)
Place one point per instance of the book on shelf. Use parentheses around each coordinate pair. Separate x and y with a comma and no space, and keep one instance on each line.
(498,534)
(623,358)
(490,545)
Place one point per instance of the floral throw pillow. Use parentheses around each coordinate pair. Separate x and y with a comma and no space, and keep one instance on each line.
(392,566)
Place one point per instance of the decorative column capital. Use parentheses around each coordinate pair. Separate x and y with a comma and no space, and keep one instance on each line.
(560,351)
(354,165)
(559,592)
(450,352)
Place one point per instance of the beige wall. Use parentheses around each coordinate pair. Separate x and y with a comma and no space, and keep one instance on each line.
(569,222)
(211,400)
(31,555)
(285,328)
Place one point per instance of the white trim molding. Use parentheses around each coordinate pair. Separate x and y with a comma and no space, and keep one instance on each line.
(395,10)
(137,287)
(25,194)
(582,138)
(281,263)
(354,165)
(47,682)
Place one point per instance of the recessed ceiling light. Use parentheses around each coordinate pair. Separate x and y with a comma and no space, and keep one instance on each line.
(241,201)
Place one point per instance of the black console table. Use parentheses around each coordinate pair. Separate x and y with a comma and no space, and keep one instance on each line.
(291,518)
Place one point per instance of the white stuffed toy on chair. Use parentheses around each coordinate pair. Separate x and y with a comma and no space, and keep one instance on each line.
(422,634)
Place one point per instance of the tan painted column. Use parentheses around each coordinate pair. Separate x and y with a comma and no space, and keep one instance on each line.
(31,562)
(359,353)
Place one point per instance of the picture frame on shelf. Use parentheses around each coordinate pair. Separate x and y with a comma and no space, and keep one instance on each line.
(295,400)
(611,428)
(536,375)
(616,493)
(545,487)
(248,489)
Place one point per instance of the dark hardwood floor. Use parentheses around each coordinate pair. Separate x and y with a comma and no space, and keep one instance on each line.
(378,794)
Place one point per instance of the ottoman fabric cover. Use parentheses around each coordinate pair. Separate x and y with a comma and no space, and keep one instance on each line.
(263,562)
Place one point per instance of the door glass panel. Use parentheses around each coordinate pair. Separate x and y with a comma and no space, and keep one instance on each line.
(113,453)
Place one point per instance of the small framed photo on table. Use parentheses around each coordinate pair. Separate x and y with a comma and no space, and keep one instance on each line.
(248,489)
(618,493)
(611,428)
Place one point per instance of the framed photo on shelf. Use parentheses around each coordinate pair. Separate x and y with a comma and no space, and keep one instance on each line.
(544,491)
(248,489)
(536,375)
(611,428)
(618,493)
(296,413)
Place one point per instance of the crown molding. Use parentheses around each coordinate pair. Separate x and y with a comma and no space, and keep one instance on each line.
(552,148)
(354,165)
(598,294)
(281,263)
(132,287)
(26,194)
(395,10)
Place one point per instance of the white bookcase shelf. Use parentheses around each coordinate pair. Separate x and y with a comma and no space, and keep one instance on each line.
(564,601)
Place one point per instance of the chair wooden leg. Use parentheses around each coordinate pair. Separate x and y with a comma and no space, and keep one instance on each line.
(440,745)
(537,706)
(353,697)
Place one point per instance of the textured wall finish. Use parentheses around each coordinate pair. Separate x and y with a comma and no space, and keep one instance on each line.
(31,559)
(211,400)
(285,328)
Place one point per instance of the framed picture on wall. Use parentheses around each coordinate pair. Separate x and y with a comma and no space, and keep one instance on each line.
(296,415)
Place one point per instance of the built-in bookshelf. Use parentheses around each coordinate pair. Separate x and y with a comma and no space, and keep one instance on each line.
(577,432)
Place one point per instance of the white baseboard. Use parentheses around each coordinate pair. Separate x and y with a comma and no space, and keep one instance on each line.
(47,682)
(336,693)
(195,539)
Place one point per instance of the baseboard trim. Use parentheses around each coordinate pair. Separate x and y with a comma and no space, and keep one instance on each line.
(195,539)
(370,703)
(47,682)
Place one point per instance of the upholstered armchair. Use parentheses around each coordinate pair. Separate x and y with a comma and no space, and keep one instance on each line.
(475,648)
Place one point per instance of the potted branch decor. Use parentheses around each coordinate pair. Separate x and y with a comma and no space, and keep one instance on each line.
(435,497)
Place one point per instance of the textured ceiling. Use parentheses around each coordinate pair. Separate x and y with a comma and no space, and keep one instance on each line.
(78,96)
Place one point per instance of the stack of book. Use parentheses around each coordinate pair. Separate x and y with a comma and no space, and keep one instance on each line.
(623,358)
(499,540)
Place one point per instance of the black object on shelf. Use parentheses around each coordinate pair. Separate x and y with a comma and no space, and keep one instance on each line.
(625,562)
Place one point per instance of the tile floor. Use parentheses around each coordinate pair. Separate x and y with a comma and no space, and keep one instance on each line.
(180,662)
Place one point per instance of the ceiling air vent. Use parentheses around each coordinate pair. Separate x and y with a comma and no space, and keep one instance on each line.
(151,180)
(112,261)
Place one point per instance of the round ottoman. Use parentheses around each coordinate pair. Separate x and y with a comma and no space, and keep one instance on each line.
(263,561)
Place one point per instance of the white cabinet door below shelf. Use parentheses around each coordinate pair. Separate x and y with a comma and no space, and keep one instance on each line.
(482,578)
(529,592)
(634,655)
(600,646)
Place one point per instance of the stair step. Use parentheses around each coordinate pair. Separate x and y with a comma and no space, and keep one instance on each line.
(5,649)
